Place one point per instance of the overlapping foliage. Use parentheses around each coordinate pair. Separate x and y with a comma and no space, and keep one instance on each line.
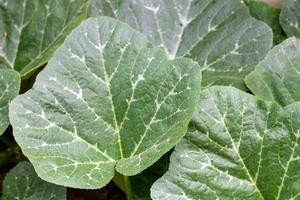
(107,98)
(119,91)
(237,147)
(220,35)
(23,183)
(31,30)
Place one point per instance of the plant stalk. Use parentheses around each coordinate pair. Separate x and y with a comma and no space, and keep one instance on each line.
(128,187)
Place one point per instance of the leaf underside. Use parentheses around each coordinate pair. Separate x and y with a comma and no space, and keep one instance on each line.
(106,99)
(23,183)
(277,77)
(237,147)
(220,35)
(31,30)
(9,89)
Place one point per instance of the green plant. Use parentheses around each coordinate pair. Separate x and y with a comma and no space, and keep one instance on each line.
(236,147)
(114,93)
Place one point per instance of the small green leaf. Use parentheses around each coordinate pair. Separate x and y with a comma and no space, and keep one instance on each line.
(290,17)
(106,99)
(23,183)
(277,77)
(268,14)
(220,35)
(30,30)
(237,147)
(9,89)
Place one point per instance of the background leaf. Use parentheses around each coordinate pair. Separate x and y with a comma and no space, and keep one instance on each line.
(237,147)
(141,183)
(268,14)
(9,89)
(30,30)
(290,17)
(23,183)
(220,35)
(107,99)
(277,77)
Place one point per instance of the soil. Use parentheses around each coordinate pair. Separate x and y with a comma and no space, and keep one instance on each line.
(109,192)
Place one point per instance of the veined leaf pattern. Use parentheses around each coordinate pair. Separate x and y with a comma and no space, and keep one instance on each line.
(290,17)
(9,89)
(31,30)
(23,183)
(237,147)
(277,77)
(107,99)
(220,35)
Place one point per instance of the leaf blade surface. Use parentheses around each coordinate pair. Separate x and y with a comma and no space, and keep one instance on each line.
(290,17)
(9,89)
(277,77)
(29,37)
(107,98)
(237,147)
(220,35)
(23,183)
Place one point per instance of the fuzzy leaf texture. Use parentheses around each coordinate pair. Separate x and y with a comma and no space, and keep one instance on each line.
(9,89)
(277,77)
(30,30)
(220,35)
(107,99)
(290,17)
(237,147)
(23,183)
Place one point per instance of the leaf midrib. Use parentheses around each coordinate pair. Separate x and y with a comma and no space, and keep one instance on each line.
(235,148)
(287,166)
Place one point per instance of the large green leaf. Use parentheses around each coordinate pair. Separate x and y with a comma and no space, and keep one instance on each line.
(270,15)
(220,35)
(30,30)
(290,17)
(106,99)
(23,183)
(277,77)
(237,147)
(9,89)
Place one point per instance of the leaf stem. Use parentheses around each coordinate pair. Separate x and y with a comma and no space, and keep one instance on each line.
(127,187)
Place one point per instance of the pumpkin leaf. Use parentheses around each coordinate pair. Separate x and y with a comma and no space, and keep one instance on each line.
(268,14)
(29,36)
(23,183)
(107,99)
(9,89)
(290,17)
(220,35)
(237,147)
(277,77)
